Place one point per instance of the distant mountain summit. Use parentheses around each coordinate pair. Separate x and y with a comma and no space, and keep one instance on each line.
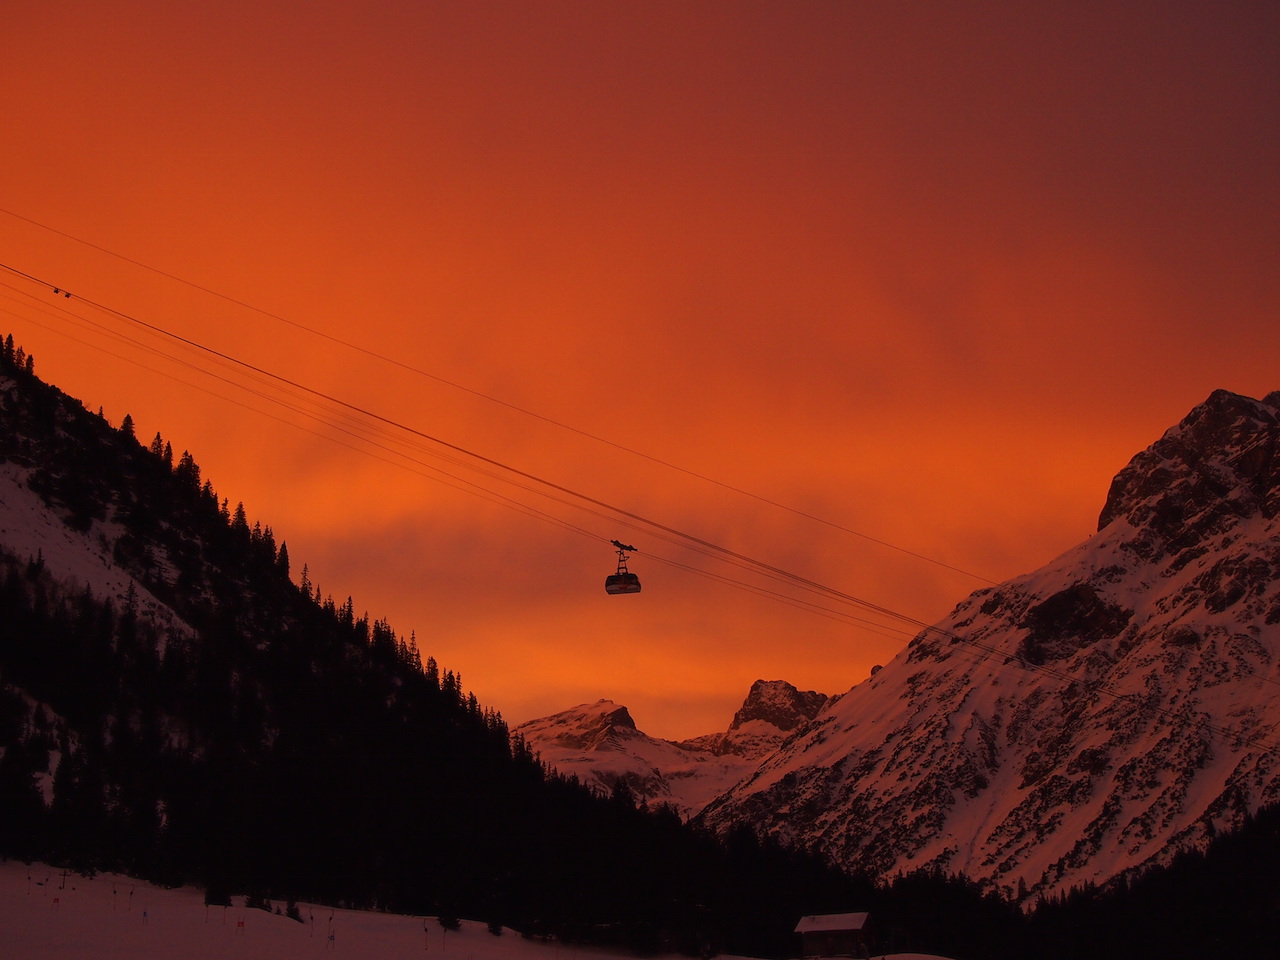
(772,711)
(1079,723)
(600,744)
(602,725)
(777,704)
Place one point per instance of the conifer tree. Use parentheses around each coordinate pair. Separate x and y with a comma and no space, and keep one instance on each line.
(240,522)
(188,472)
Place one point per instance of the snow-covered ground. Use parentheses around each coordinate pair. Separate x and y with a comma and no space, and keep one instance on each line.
(47,916)
(44,915)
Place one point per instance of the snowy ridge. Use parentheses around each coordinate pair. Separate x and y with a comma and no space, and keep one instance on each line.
(1079,722)
(600,745)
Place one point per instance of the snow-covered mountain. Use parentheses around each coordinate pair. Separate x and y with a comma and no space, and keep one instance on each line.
(1080,722)
(600,745)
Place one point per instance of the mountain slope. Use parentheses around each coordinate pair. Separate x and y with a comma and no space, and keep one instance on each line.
(1080,722)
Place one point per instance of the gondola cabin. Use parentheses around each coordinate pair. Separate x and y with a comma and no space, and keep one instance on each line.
(623,581)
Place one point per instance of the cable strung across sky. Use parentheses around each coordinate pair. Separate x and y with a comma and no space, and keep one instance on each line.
(351,427)
(592,504)
(418,371)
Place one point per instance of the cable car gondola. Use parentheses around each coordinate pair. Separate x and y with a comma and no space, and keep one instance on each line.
(622,581)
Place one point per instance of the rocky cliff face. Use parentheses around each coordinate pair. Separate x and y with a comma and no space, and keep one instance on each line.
(778,704)
(1080,722)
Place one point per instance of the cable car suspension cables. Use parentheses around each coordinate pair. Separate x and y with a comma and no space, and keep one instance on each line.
(360,417)
(383,358)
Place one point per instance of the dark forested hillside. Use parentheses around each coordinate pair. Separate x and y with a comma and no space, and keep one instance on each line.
(239,731)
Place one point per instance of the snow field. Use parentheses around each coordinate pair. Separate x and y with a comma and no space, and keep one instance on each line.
(46,915)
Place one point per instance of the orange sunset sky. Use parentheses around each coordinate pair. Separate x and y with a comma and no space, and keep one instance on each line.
(927,272)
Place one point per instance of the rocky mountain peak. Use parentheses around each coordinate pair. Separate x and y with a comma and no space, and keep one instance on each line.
(779,704)
(1218,465)
(590,726)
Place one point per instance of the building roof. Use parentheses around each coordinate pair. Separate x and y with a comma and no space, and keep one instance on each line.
(826,922)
